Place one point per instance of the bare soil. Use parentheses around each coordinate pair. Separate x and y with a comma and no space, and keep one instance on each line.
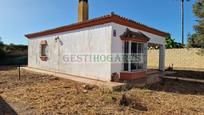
(43,94)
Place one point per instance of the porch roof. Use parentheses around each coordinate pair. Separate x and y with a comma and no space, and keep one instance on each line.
(138,36)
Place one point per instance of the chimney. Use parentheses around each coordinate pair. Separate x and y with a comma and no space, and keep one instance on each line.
(83,11)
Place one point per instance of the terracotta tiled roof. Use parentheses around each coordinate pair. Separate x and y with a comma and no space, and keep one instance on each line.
(98,21)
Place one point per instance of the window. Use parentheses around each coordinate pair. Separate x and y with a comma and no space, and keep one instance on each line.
(43,50)
(114,33)
(137,55)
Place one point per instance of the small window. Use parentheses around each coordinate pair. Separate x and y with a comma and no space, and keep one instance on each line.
(43,50)
(114,33)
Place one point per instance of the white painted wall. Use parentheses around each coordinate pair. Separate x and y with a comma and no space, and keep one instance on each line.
(117,45)
(95,39)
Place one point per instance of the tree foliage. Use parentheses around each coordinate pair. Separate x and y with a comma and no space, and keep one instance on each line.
(2,52)
(12,50)
(197,39)
(170,43)
(1,43)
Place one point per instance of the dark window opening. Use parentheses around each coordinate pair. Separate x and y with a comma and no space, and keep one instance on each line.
(126,51)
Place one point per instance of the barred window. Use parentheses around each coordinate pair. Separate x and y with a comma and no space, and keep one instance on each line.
(43,50)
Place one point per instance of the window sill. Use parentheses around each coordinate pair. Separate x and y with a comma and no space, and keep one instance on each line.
(43,42)
(43,58)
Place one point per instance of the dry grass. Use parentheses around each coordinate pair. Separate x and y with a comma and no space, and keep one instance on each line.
(43,94)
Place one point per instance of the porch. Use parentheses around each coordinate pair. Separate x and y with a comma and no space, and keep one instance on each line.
(151,76)
(136,45)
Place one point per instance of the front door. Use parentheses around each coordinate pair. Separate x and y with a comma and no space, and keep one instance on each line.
(134,51)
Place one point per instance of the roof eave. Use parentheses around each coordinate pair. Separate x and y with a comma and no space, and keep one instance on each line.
(98,21)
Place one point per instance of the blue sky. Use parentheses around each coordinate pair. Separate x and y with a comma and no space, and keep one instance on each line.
(19,17)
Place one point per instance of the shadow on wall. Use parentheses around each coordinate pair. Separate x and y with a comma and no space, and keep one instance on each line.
(5,108)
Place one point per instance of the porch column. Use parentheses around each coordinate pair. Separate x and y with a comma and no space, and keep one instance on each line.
(129,53)
(162,57)
(145,55)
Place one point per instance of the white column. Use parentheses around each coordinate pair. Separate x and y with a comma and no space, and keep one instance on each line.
(145,55)
(129,53)
(123,50)
(162,58)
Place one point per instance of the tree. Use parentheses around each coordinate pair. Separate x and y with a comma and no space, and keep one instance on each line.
(182,19)
(2,52)
(197,39)
(1,43)
(170,43)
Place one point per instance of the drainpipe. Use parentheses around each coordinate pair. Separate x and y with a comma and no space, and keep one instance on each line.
(57,40)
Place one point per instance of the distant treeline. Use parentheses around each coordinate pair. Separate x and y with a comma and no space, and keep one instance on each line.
(13,54)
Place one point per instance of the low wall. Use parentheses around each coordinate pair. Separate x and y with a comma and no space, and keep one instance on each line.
(179,58)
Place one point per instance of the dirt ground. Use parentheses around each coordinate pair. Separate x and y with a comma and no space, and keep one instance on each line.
(44,94)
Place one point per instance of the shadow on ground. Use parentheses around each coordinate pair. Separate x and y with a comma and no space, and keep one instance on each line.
(178,86)
(7,68)
(5,108)
(188,74)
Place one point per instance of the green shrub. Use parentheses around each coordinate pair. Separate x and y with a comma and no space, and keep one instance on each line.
(23,60)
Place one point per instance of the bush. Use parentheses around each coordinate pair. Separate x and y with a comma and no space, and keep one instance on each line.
(23,60)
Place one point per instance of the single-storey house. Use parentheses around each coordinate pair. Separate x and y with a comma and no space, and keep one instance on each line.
(57,49)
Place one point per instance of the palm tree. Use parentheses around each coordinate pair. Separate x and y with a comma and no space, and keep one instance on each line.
(182,16)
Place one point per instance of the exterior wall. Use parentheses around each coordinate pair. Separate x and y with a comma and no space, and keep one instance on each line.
(90,40)
(117,44)
(180,58)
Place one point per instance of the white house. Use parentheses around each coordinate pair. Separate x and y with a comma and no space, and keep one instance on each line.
(58,49)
